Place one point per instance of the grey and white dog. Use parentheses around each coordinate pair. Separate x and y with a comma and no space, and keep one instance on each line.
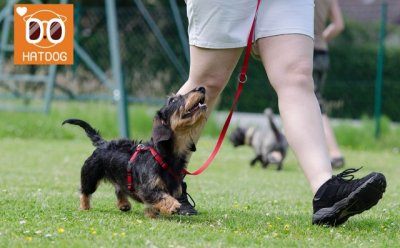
(268,143)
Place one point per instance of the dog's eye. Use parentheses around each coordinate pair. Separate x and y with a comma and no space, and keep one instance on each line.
(172,100)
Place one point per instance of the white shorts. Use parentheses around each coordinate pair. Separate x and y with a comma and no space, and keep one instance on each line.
(227,23)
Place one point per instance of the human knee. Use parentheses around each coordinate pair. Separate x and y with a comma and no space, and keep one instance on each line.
(300,76)
(296,76)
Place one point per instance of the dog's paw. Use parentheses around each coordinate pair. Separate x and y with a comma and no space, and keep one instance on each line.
(83,208)
(125,207)
(151,212)
(174,209)
(168,205)
(124,204)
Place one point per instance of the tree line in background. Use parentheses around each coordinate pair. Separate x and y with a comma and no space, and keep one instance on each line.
(350,86)
(148,72)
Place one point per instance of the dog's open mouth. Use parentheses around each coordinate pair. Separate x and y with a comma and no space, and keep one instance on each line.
(200,105)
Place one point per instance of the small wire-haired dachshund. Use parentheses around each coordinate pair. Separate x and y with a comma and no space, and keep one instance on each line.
(268,143)
(149,172)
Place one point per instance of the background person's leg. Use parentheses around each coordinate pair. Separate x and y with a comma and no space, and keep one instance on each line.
(288,63)
(333,147)
(321,66)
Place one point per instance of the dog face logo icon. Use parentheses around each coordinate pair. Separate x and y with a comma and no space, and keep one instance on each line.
(43,34)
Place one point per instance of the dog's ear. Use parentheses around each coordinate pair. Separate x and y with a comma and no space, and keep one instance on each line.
(193,147)
(161,130)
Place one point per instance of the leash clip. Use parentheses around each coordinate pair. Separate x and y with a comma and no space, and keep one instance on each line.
(140,147)
(244,79)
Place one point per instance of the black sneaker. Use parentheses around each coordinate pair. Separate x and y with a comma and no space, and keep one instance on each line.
(186,208)
(338,198)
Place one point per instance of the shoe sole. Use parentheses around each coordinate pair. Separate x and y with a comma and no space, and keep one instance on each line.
(184,213)
(186,208)
(187,212)
(363,198)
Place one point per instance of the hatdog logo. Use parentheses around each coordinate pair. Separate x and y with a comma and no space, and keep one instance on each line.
(43,34)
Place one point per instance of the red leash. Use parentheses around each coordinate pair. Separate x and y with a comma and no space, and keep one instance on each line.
(241,80)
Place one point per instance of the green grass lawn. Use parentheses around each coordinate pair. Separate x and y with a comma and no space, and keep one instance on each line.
(239,206)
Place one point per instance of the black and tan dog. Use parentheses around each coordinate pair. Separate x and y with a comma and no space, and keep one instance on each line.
(153,175)
(268,143)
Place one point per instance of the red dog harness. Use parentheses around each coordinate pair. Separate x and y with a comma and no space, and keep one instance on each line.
(157,157)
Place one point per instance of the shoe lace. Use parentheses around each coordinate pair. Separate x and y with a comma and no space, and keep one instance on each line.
(347,174)
(193,202)
(184,198)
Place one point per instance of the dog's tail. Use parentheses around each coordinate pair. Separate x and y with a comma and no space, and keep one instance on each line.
(93,135)
(275,129)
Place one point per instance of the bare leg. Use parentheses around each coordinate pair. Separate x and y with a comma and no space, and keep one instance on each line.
(212,69)
(333,147)
(288,62)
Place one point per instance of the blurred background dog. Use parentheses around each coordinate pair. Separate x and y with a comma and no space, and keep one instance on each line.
(268,142)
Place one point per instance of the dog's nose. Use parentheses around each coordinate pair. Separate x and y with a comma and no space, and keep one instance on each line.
(201,89)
